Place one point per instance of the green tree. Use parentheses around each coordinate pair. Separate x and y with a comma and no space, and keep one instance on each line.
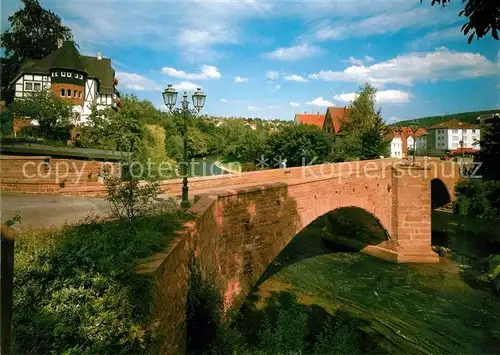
(490,150)
(33,34)
(482,16)
(52,113)
(363,115)
(299,144)
(364,132)
(6,122)
(373,144)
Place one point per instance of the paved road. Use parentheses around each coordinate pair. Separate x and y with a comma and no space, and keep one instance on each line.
(38,211)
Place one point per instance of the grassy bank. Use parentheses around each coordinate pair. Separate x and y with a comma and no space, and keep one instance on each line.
(76,290)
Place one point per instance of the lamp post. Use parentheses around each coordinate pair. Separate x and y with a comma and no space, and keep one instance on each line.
(170,98)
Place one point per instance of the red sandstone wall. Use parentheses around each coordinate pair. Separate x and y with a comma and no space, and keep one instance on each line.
(47,175)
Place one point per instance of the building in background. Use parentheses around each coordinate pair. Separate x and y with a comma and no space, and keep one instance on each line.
(80,80)
(331,121)
(453,136)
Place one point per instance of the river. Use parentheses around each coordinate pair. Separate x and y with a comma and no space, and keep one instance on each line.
(390,308)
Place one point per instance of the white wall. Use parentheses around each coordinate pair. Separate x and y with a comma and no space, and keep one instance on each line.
(466,135)
(396,147)
(29,83)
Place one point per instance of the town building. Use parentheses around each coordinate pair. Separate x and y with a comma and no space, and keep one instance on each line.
(453,136)
(404,141)
(79,79)
(331,121)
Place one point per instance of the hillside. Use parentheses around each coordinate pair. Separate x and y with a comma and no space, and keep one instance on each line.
(469,117)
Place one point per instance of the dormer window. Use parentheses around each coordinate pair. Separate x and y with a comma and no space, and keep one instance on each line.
(68,74)
(62,92)
(63,74)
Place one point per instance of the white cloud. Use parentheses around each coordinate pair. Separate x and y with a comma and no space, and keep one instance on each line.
(206,72)
(136,82)
(277,87)
(389,22)
(384,96)
(186,86)
(161,25)
(441,64)
(320,101)
(435,37)
(272,75)
(239,79)
(301,51)
(222,100)
(295,77)
(252,108)
(294,104)
(355,61)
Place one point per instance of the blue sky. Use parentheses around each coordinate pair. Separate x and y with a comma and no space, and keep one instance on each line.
(273,59)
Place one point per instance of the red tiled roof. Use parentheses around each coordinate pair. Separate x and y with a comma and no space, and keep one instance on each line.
(454,123)
(420,132)
(339,115)
(310,119)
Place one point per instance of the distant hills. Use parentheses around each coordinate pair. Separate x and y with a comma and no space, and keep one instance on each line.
(469,117)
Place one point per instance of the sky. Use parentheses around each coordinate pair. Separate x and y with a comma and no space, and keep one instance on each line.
(273,59)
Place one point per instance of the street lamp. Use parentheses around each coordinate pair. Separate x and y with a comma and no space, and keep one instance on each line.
(170,98)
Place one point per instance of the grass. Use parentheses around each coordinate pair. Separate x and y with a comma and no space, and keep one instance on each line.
(76,289)
(399,308)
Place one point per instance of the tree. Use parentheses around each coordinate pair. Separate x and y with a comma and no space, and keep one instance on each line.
(490,150)
(373,144)
(52,113)
(33,34)
(298,144)
(482,15)
(364,132)
(363,115)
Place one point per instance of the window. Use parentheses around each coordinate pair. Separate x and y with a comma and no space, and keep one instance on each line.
(68,74)
(37,86)
(28,86)
(74,93)
(63,74)
(454,145)
(68,92)
(79,94)
(473,131)
(53,74)
(62,92)
(455,131)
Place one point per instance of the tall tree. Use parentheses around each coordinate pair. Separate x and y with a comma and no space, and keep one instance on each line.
(373,144)
(363,114)
(490,150)
(33,34)
(482,16)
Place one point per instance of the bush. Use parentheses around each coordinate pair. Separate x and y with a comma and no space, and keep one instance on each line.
(478,198)
(76,289)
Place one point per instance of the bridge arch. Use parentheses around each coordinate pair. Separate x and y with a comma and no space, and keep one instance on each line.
(349,229)
(440,195)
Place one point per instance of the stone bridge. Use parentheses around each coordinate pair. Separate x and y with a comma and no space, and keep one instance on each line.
(237,232)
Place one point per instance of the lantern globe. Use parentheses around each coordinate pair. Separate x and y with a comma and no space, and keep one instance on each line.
(199,99)
(170,96)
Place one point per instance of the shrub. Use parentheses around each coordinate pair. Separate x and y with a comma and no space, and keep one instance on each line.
(130,198)
(76,289)
(478,198)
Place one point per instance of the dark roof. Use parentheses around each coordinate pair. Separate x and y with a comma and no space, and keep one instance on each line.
(100,69)
(68,57)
